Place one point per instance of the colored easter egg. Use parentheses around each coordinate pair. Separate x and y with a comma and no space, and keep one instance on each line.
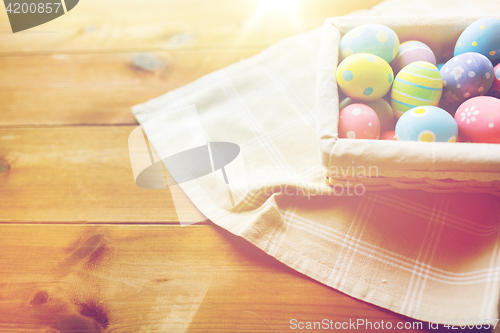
(358,121)
(376,39)
(482,36)
(412,51)
(381,108)
(464,76)
(478,119)
(388,135)
(364,76)
(439,66)
(495,86)
(417,84)
(427,124)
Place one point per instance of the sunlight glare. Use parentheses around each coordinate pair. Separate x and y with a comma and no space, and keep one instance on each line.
(287,6)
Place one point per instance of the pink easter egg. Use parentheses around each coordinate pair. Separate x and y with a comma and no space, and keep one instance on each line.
(388,135)
(478,119)
(381,108)
(495,86)
(358,121)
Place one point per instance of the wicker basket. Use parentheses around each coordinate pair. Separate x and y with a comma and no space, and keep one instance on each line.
(434,167)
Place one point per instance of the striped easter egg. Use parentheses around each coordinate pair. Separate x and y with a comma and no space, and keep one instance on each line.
(411,51)
(417,84)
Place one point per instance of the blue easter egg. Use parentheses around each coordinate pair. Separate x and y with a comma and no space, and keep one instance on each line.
(482,36)
(372,38)
(427,124)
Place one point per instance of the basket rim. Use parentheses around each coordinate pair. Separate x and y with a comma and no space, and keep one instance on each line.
(451,160)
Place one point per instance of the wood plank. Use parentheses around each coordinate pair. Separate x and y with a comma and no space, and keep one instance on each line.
(158,279)
(77,174)
(95,25)
(96,88)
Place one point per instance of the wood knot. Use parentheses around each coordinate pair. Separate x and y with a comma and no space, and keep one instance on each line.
(147,62)
(75,323)
(40,298)
(4,165)
(180,40)
(87,250)
(96,312)
(161,280)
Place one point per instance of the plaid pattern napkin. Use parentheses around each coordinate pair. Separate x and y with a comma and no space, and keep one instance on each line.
(428,256)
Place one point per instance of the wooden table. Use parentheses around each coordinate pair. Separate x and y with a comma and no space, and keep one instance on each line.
(83,249)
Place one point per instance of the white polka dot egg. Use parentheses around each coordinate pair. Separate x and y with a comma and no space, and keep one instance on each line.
(478,119)
(426,124)
(464,76)
(495,86)
(358,121)
(381,108)
(372,38)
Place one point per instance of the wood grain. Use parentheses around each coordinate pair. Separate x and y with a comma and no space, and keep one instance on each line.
(69,85)
(76,75)
(116,25)
(96,88)
(74,175)
(157,279)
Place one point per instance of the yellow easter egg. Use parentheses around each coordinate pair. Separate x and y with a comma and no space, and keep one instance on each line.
(417,84)
(364,77)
